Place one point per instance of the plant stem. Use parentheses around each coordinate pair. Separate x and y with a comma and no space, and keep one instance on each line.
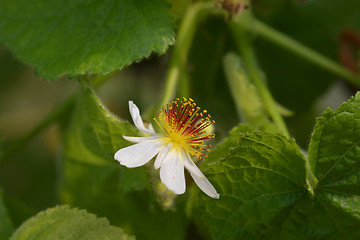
(299,49)
(58,112)
(184,85)
(250,63)
(193,15)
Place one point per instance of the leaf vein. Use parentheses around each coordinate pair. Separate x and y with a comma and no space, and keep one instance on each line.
(261,168)
(338,161)
(338,192)
(248,201)
(333,219)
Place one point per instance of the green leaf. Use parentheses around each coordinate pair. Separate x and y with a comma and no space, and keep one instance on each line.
(333,211)
(334,156)
(92,179)
(261,181)
(259,178)
(64,223)
(6,225)
(77,37)
(334,148)
(231,141)
(92,139)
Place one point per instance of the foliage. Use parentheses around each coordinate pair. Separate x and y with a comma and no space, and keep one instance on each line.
(264,180)
(124,195)
(65,223)
(249,67)
(78,37)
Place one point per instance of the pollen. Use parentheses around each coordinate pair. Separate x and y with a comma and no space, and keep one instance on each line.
(184,124)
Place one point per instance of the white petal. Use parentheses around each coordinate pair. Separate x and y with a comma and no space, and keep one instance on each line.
(172,172)
(139,139)
(199,178)
(136,117)
(138,154)
(151,128)
(161,156)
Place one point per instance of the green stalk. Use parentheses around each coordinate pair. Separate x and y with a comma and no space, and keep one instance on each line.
(177,66)
(297,48)
(250,63)
(57,113)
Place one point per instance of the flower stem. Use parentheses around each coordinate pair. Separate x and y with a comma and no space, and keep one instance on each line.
(299,49)
(250,63)
(56,114)
(177,66)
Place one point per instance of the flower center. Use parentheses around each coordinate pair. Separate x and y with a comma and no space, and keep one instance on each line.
(184,123)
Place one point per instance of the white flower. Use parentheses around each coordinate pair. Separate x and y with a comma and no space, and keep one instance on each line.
(184,134)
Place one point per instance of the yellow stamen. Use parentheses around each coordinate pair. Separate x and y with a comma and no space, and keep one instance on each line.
(184,126)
